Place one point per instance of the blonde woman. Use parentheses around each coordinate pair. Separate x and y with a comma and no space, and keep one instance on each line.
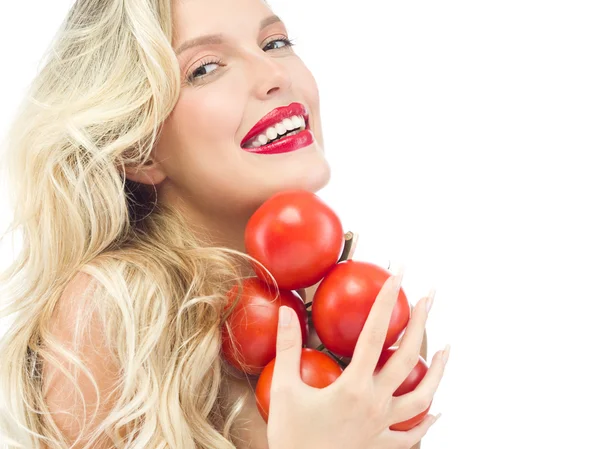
(132,179)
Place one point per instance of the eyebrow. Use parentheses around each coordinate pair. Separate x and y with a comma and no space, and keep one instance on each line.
(218,38)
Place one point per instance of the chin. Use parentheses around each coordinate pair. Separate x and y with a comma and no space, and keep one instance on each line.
(313,178)
(319,179)
(315,173)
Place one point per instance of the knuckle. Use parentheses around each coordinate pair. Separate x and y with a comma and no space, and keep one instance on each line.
(377,335)
(285,344)
(421,401)
(410,360)
(389,377)
(361,398)
(354,392)
(281,390)
(374,411)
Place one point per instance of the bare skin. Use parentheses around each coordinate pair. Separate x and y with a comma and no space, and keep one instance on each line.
(198,163)
(251,430)
(199,166)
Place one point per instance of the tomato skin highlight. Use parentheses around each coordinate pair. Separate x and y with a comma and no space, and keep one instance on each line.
(316,369)
(343,301)
(251,343)
(296,236)
(411,382)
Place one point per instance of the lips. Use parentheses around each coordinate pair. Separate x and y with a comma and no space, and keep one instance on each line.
(276,116)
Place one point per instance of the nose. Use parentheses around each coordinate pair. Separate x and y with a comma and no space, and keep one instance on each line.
(270,75)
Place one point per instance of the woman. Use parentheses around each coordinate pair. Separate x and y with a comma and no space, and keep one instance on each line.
(133,174)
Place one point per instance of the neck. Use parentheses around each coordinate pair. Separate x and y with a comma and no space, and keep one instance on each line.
(216,228)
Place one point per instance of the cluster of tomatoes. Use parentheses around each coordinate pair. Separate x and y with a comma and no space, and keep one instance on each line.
(299,242)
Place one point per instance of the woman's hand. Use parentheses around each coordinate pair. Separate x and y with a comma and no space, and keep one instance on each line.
(356,411)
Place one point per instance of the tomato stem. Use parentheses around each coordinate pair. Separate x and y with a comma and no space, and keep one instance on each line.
(320,347)
(350,239)
(341,362)
(308,304)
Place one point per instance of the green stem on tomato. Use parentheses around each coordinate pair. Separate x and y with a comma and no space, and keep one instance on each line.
(308,304)
(348,243)
(341,362)
(320,347)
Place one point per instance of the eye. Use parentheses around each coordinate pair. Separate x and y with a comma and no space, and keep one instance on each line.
(202,71)
(286,43)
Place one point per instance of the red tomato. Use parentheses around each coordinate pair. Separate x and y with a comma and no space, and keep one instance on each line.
(296,236)
(316,369)
(411,382)
(251,344)
(343,301)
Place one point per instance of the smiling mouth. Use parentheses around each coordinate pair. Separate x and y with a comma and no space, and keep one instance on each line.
(286,127)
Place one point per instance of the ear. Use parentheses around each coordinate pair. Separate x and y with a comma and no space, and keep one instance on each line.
(150,173)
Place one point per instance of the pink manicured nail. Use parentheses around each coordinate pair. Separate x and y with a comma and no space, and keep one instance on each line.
(285,316)
(446,354)
(430,296)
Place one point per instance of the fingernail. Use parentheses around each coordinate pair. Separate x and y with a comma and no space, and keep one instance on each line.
(285,316)
(398,279)
(446,354)
(435,418)
(430,297)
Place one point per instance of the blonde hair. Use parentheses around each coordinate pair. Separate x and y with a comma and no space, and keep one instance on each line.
(106,84)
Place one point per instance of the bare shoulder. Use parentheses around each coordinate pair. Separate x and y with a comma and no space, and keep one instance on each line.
(69,392)
(70,300)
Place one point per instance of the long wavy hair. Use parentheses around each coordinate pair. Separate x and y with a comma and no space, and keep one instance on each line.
(107,82)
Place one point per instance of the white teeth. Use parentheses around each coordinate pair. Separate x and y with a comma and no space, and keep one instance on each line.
(288,124)
(281,130)
(271,133)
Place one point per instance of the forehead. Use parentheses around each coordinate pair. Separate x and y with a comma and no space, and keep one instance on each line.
(230,17)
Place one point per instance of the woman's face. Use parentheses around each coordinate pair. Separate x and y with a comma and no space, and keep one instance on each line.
(227,87)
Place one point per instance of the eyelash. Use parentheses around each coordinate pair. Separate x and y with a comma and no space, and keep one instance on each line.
(192,76)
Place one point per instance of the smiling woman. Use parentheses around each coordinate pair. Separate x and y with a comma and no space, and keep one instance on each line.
(237,75)
(153,132)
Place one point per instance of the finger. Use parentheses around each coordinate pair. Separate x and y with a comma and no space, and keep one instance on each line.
(409,438)
(411,404)
(402,362)
(286,371)
(372,336)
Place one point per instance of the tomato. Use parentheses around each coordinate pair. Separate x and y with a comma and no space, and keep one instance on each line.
(411,382)
(251,343)
(316,369)
(296,236)
(343,301)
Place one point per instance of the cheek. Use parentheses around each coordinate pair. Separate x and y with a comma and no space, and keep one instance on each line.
(196,149)
(310,88)
(205,119)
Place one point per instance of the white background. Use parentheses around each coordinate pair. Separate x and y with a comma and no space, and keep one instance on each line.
(464,140)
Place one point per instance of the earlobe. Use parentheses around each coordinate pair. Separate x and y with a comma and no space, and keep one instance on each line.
(150,173)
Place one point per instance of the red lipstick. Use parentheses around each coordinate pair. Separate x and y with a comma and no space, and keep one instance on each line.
(283,144)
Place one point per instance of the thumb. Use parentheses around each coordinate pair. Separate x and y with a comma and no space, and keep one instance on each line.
(289,347)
